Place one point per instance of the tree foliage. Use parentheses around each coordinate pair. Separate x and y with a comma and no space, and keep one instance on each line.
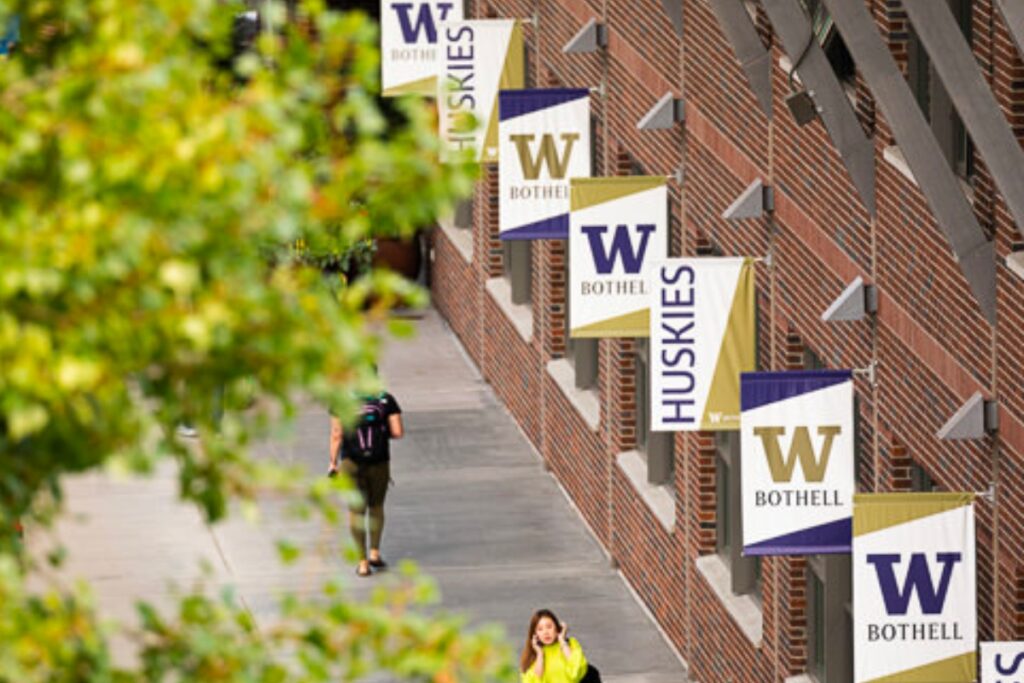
(153,185)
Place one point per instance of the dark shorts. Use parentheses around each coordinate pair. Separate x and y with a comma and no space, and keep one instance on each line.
(371,479)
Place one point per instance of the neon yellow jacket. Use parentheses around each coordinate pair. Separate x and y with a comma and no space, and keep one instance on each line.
(558,669)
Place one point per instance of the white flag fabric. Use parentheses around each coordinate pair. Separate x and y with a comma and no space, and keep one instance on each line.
(703,335)
(1002,662)
(409,54)
(544,140)
(617,228)
(797,453)
(479,57)
(914,588)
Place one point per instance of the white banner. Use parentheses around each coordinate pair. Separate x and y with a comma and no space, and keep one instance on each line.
(703,335)
(797,454)
(914,583)
(544,140)
(409,55)
(1002,662)
(617,228)
(479,57)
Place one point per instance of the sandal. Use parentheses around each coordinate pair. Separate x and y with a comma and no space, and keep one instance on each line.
(364,574)
(378,563)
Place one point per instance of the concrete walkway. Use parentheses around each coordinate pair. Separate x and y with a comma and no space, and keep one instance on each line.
(471,504)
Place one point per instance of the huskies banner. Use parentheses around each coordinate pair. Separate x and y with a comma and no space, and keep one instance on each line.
(617,227)
(409,55)
(702,331)
(914,588)
(1002,662)
(797,454)
(544,140)
(478,58)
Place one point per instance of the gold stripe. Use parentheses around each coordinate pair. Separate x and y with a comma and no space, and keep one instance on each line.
(876,511)
(735,355)
(635,324)
(511,79)
(587,192)
(958,669)
(425,86)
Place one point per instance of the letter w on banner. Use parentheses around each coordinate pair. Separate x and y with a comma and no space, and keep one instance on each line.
(617,228)
(544,140)
(703,335)
(914,578)
(797,460)
(1002,662)
(479,57)
(409,54)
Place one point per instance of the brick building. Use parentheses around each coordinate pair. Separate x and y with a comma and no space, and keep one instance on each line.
(863,190)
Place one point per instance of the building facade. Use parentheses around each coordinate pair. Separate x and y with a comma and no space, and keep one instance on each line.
(862,190)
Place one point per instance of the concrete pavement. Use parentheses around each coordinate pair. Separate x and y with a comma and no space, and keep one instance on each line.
(471,504)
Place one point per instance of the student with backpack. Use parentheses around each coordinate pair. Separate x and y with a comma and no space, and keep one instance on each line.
(364,454)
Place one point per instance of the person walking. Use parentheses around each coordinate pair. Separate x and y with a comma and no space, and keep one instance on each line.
(364,454)
(550,656)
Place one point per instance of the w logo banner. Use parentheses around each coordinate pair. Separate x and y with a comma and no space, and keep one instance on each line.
(617,229)
(797,462)
(544,140)
(479,58)
(1002,662)
(703,335)
(914,578)
(410,58)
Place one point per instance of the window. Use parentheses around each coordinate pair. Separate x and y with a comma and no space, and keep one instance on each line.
(658,446)
(934,100)
(464,214)
(517,262)
(829,39)
(921,481)
(829,618)
(745,571)
(581,353)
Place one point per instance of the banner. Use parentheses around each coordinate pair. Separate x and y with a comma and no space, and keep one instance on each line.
(796,445)
(1002,662)
(409,54)
(479,57)
(703,335)
(914,611)
(617,227)
(544,139)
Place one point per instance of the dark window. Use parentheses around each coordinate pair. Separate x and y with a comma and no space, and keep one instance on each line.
(745,571)
(658,446)
(921,481)
(829,39)
(517,259)
(581,352)
(829,626)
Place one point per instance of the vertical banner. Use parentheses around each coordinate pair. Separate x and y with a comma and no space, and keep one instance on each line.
(914,578)
(703,335)
(544,139)
(1002,662)
(479,57)
(617,228)
(409,55)
(796,441)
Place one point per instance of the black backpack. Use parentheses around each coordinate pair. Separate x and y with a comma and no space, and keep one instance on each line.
(592,675)
(369,435)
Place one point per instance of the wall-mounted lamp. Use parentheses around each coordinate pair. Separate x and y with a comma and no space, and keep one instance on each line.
(666,112)
(855,301)
(591,38)
(974,420)
(753,203)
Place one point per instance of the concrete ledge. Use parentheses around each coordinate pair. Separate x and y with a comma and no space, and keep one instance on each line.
(743,608)
(802,678)
(462,238)
(1015,262)
(585,401)
(520,315)
(656,496)
(894,156)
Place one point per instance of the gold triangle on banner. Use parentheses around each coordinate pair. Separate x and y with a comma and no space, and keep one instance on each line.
(876,511)
(958,669)
(635,324)
(425,86)
(587,192)
(738,353)
(512,78)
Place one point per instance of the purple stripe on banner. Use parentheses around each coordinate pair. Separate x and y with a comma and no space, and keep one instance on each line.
(761,388)
(513,103)
(834,537)
(555,228)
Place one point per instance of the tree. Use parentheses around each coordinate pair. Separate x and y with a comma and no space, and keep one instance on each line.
(153,185)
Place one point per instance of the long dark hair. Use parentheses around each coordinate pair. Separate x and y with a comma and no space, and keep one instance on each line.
(526,659)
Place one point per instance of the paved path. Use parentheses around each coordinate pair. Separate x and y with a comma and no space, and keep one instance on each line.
(471,504)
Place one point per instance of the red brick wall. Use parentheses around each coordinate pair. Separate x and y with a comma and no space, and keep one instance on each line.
(933,346)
